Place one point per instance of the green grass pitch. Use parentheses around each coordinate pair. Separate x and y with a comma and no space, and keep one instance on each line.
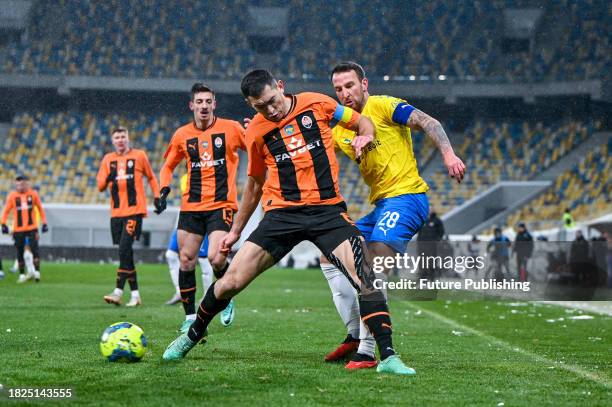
(465,353)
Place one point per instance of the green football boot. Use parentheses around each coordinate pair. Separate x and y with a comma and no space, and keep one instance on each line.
(393,364)
(178,348)
(227,315)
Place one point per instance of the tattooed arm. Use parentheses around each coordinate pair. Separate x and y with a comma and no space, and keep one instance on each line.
(419,120)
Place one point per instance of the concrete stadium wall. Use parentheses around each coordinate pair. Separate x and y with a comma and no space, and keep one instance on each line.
(62,254)
(89,226)
(81,233)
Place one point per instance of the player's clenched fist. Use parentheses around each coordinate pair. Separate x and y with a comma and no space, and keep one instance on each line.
(454,165)
(228,241)
(160,203)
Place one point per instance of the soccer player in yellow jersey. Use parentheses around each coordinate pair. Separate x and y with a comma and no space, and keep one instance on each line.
(389,168)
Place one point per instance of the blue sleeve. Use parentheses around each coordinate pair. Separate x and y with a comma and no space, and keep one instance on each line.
(173,243)
(204,249)
(402,113)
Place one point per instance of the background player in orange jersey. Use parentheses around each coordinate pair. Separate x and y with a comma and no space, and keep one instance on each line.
(22,203)
(123,170)
(210,147)
(293,171)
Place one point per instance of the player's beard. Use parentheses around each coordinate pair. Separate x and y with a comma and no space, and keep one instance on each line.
(355,104)
(358,104)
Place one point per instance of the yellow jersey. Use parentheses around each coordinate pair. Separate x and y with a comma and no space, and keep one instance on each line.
(388,164)
(184,183)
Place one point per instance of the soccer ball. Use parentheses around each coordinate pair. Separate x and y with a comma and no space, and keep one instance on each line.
(123,342)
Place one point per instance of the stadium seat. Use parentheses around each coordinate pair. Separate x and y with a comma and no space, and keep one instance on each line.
(98,40)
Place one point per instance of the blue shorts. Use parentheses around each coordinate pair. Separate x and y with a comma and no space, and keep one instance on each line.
(395,220)
(173,245)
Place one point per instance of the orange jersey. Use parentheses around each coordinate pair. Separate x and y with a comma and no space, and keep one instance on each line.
(127,188)
(23,207)
(298,152)
(212,164)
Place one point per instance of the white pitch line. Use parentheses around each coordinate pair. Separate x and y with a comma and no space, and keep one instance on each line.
(577,370)
(600,307)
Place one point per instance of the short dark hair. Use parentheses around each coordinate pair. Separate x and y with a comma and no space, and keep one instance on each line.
(199,87)
(22,177)
(348,66)
(255,81)
(119,129)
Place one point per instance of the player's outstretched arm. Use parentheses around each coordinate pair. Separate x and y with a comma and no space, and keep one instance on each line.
(172,159)
(365,134)
(250,199)
(165,174)
(422,121)
(151,178)
(165,177)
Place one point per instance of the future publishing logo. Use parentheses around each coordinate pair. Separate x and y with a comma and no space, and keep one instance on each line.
(467,284)
(459,264)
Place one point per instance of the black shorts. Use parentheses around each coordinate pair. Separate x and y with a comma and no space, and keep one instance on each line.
(20,237)
(204,222)
(132,225)
(324,225)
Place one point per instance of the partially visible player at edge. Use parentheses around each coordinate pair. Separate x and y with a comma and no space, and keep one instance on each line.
(174,263)
(174,266)
(210,146)
(389,168)
(23,203)
(123,170)
(293,171)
